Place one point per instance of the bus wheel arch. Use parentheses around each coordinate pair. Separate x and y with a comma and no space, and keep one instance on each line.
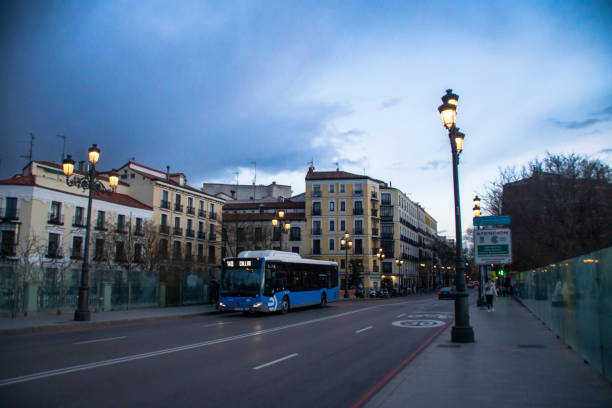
(285,305)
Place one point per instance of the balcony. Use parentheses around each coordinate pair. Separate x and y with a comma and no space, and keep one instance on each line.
(375,231)
(201,235)
(55,219)
(316,211)
(316,193)
(191,210)
(165,204)
(374,196)
(101,226)
(164,229)
(79,223)
(177,231)
(358,193)
(189,233)
(358,231)
(316,231)
(54,252)
(386,218)
(202,213)
(212,236)
(178,207)
(357,211)
(9,213)
(212,215)
(374,212)
(76,253)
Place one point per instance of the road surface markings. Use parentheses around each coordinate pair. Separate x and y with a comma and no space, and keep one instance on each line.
(364,329)
(276,361)
(418,324)
(119,360)
(99,340)
(401,315)
(216,324)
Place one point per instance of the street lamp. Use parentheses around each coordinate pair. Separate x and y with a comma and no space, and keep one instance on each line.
(399,263)
(346,243)
(87,182)
(285,226)
(380,255)
(461,332)
(476,210)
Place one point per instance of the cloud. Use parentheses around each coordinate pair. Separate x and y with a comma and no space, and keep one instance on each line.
(390,102)
(434,165)
(604,115)
(605,151)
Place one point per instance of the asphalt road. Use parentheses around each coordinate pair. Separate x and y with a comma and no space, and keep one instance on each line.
(308,358)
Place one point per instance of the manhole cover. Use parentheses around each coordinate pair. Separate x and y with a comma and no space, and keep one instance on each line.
(418,324)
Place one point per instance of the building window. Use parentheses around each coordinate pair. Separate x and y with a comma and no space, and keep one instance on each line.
(316,208)
(137,252)
(176,252)
(316,190)
(358,246)
(332,244)
(295,234)
(79,217)
(316,227)
(188,249)
(385,198)
(332,225)
(332,188)
(121,227)
(295,249)
(119,252)
(342,225)
(10,212)
(211,254)
(77,248)
(358,227)
(342,206)
(316,246)
(200,252)
(357,190)
(332,206)
(139,227)
(99,251)
(101,221)
(163,248)
(342,188)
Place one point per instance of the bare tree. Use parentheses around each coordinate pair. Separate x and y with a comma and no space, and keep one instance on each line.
(28,252)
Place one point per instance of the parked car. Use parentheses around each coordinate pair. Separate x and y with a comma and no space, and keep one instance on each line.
(446,293)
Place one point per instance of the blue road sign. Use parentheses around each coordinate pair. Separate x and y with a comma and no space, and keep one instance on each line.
(492,220)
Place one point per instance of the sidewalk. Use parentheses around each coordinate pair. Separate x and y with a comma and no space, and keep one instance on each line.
(46,323)
(515,362)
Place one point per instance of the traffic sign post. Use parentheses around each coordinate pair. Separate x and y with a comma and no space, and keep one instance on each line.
(493,246)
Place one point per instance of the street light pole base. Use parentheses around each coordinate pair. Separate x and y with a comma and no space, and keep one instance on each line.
(82,315)
(462,334)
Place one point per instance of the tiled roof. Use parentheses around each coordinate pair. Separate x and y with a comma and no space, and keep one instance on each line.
(336,175)
(19,180)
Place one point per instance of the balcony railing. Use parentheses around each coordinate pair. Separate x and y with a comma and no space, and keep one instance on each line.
(316,193)
(9,213)
(386,218)
(53,252)
(201,235)
(212,215)
(316,211)
(358,192)
(76,253)
(358,231)
(374,196)
(55,219)
(79,222)
(165,204)
(177,231)
(316,231)
(101,226)
(191,210)
(164,229)
(357,211)
(190,233)
(212,236)
(202,213)
(178,207)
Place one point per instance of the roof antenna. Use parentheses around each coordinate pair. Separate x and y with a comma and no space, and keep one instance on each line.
(236,173)
(31,155)
(63,146)
(337,166)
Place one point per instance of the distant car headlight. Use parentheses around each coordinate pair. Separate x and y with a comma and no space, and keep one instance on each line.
(221,304)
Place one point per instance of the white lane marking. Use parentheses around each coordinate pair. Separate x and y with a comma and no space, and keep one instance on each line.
(276,361)
(119,360)
(216,324)
(99,340)
(401,315)
(364,329)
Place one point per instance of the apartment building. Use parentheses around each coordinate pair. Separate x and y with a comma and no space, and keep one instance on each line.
(249,192)
(189,220)
(248,226)
(338,202)
(43,222)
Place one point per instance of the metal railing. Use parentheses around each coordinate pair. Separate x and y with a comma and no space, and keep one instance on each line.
(164,229)
(165,204)
(55,219)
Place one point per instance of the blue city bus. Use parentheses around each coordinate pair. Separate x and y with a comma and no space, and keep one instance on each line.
(270,281)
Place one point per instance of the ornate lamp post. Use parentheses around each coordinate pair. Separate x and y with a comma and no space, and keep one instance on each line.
(476,211)
(87,182)
(399,263)
(461,332)
(346,243)
(285,226)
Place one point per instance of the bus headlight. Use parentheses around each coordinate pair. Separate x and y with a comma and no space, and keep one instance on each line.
(257,305)
(221,304)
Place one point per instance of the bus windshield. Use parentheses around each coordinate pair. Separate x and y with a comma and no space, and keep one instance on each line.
(241,282)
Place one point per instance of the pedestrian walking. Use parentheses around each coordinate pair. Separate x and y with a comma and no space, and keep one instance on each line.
(490,293)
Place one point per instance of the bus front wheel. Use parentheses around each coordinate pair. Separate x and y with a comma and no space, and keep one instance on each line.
(285,305)
(323,300)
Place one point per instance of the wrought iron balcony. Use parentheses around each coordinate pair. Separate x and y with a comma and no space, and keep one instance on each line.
(358,192)
(164,229)
(191,210)
(122,229)
(76,253)
(316,193)
(139,231)
(55,219)
(374,212)
(212,215)
(316,231)
(358,231)
(212,236)
(54,252)
(375,231)
(201,235)
(177,231)
(178,207)
(202,213)
(316,211)
(79,222)
(190,233)
(101,225)
(165,204)
(357,211)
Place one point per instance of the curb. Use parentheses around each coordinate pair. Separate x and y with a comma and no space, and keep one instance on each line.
(75,326)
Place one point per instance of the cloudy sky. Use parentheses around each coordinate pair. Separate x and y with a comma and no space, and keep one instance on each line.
(211,87)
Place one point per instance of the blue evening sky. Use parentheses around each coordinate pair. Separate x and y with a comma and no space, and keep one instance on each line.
(210,87)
